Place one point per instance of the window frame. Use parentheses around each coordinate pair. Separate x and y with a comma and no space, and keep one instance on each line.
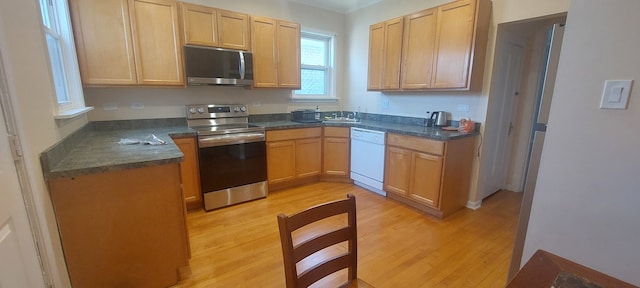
(72,103)
(329,68)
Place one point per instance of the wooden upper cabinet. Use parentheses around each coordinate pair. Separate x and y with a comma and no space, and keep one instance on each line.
(208,26)
(130,42)
(392,53)
(455,39)
(385,51)
(443,48)
(233,30)
(199,24)
(276,53)
(157,48)
(418,49)
(105,56)
(288,44)
(376,52)
(265,62)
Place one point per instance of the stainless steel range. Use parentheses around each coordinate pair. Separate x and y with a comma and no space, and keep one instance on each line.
(232,154)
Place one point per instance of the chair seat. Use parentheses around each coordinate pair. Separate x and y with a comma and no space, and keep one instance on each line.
(357,283)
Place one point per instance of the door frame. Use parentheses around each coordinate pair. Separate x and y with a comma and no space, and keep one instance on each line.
(7,112)
(495,126)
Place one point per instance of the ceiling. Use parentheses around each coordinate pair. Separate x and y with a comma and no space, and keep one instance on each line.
(341,6)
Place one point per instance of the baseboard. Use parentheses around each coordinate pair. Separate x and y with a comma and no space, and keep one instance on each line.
(474,205)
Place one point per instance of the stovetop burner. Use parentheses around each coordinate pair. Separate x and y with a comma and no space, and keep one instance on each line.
(215,119)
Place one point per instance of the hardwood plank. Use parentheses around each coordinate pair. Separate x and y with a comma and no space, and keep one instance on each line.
(398,246)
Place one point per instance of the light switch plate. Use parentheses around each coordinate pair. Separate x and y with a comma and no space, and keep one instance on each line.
(615,94)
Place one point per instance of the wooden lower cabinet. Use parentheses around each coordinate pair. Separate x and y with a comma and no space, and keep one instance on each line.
(294,156)
(430,175)
(336,151)
(308,157)
(426,170)
(281,161)
(122,228)
(190,172)
(397,170)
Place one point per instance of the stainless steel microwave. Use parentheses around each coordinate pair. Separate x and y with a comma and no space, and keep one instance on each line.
(214,66)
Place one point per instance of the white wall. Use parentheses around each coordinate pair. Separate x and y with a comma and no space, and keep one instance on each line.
(31,90)
(169,102)
(586,201)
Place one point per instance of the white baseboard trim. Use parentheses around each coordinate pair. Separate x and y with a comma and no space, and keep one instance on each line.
(474,205)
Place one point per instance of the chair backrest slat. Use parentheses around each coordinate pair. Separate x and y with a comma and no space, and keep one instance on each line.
(292,255)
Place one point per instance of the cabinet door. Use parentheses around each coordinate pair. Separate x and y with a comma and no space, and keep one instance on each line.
(288,45)
(281,161)
(376,50)
(103,40)
(233,29)
(263,42)
(455,37)
(199,24)
(190,172)
(397,170)
(308,157)
(426,171)
(418,49)
(157,47)
(336,154)
(392,53)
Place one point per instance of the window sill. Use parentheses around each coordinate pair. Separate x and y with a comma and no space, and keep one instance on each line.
(310,99)
(72,113)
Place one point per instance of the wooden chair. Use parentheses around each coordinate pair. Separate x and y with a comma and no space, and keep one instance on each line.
(293,254)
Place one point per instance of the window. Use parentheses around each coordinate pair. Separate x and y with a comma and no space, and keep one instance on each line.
(62,57)
(316,53)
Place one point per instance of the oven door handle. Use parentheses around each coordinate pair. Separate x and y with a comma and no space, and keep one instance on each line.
(229,139)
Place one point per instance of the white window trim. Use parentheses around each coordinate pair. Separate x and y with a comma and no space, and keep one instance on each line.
(331,83)
(76,105)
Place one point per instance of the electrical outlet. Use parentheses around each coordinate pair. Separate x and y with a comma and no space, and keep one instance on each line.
(385,104)
(463,108)
(109,107)
(137,105)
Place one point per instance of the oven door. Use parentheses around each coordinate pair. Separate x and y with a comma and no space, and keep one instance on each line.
(232,165)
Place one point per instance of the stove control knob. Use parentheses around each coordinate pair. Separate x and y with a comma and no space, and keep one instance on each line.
(200,110)
(236,109)
(243,109)
(192,110)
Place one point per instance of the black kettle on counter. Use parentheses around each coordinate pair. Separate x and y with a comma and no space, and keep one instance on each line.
(439,118)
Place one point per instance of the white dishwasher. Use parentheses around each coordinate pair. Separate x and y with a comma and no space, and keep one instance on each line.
(367,159)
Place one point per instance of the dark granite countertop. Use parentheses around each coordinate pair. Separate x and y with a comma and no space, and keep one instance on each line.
(97,151)
(403,129)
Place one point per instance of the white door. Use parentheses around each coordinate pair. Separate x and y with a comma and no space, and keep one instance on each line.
(510,73)
(19,266)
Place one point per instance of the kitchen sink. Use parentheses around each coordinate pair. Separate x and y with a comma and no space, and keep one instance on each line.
(340,120)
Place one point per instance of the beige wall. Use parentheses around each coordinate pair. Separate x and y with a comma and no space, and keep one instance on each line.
(31,91)
(586,200)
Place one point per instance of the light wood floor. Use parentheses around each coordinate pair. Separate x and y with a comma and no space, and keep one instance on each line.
(239,246)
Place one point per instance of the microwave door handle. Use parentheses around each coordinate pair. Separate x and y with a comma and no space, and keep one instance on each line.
(241,65)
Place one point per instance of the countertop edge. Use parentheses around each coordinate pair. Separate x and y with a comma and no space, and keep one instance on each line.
(51,170)
(372,125)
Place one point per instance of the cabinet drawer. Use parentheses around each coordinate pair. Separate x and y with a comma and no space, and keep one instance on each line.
(289,134)
(337,132)
(416,143)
